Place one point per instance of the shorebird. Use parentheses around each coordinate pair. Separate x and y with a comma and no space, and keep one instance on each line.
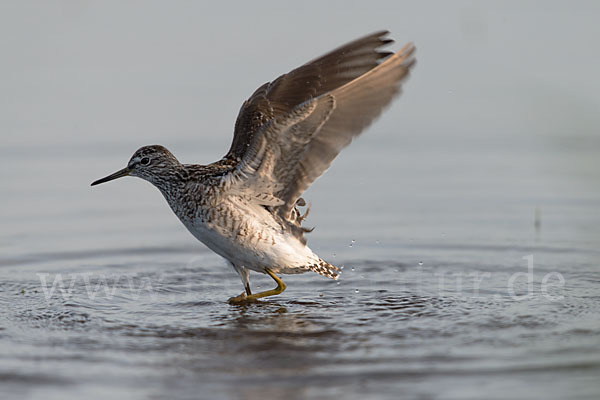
(245,207)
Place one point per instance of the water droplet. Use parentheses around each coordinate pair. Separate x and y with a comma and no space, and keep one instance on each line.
(333,255)
(341,267)
(352,243)
(352,268)
(338,282)
(420,263)
(356,291)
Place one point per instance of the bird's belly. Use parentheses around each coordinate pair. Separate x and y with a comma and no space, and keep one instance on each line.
(251,241)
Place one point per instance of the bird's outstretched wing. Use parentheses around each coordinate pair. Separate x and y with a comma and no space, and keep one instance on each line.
(328,72)
(290,130)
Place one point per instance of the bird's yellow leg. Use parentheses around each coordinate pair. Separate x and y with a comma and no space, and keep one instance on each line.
(278,290)
(243,298)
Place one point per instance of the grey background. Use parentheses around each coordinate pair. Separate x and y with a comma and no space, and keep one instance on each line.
(497,124)
(155,71)
(503,90)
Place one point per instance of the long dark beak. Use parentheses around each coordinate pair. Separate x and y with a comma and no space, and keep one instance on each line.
(124,172)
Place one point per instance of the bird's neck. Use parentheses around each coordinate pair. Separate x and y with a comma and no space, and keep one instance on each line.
(171,182)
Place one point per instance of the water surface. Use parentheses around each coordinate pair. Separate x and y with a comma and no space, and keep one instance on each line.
(466,220)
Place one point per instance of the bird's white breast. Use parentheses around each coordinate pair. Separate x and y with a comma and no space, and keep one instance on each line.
(248,235)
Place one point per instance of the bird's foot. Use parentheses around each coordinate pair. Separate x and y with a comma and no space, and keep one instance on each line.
(242,299)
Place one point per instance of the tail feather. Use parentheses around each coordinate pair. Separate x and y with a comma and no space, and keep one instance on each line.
(322,267)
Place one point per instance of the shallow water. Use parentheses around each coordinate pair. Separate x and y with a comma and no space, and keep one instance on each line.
(466,219)
(101,300)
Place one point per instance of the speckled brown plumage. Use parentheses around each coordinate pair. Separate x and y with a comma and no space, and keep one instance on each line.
(246,206)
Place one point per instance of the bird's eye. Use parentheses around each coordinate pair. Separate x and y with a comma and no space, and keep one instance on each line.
(145,161)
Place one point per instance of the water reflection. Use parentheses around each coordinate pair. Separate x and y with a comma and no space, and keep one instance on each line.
(318,340)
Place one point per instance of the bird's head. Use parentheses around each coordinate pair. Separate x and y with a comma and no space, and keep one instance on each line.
(151,163)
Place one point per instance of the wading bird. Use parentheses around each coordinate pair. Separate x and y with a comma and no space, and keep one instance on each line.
(245,207)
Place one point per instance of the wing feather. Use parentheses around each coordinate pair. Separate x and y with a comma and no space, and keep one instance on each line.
(316,77)
(358,104)
(289,132)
